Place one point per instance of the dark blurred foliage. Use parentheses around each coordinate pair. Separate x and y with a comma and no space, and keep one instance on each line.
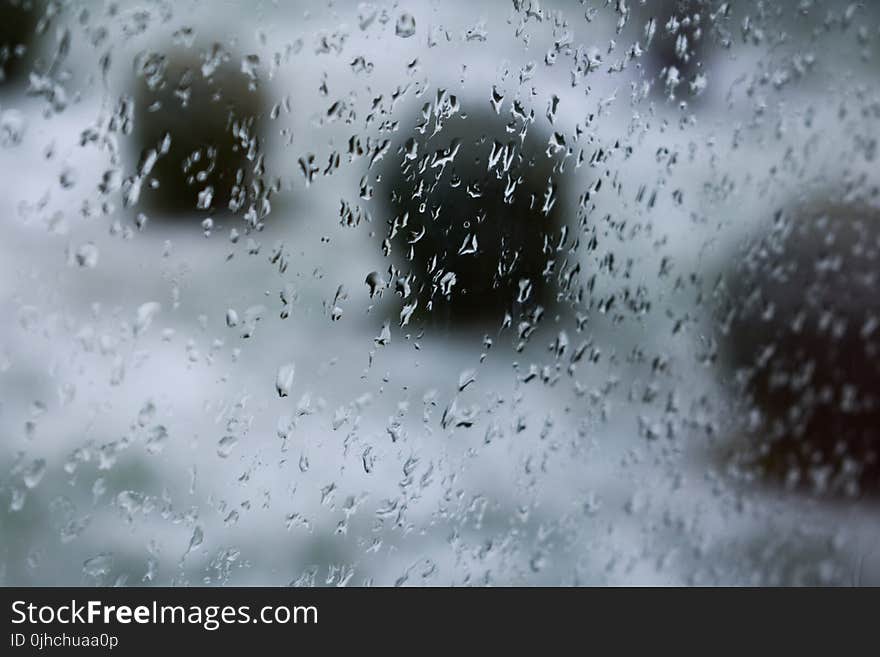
(202,108)
(479,199)
(804,337)
(18,34)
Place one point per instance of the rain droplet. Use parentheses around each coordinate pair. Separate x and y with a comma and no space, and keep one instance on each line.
(145,314)
(99,565)
(384,336)
(146,414)
(156,440)
(34,474)
(86,256)
(368,459)
(205,197)
(466,378)
(16,503)
(198,536)
(225,446)
(12,128)
(284,379)
(374,282)
(406,26)
(74,528)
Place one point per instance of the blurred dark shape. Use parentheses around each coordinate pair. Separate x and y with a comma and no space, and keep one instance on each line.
(197,121)
(804,338)
(476,211)
(679,46)
(18,33)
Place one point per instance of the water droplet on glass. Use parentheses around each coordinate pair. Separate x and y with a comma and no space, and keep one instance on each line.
(284,379)
(406,26)
(34,474)
(196,540)
(375,283)
(225,446)
(86,256)
(12,128)
(145,314)
(99,565)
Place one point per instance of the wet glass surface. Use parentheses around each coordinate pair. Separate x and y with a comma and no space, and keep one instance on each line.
(423,293)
